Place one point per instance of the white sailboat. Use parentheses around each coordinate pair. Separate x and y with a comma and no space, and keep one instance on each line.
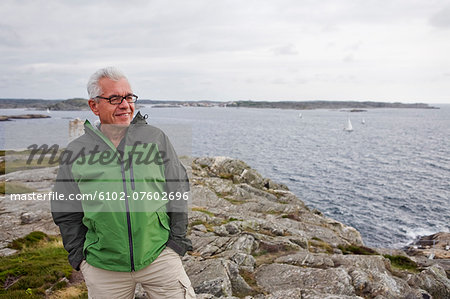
(349,126)
(363,121)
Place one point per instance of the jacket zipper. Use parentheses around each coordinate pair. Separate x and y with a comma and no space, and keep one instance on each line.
(130,237)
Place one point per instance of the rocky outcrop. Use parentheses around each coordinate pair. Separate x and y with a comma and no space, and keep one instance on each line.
(253,238)
(435,246)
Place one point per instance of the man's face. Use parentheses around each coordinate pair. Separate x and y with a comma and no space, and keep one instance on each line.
(113,114)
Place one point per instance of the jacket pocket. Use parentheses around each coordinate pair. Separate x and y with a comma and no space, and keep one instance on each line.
(89,245)
(164,220)
(186,285)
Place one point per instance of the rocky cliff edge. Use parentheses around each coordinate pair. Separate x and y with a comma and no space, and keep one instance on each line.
(253,238)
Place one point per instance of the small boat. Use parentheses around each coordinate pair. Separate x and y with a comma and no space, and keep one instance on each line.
(349,126)
(363,121)
(300,115)
(48,110)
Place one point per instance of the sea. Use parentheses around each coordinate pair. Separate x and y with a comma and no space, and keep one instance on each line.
(389,178)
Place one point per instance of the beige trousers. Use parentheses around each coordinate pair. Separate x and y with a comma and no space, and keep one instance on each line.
(164,278)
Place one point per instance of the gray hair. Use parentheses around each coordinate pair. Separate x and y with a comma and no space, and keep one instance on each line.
(109,72)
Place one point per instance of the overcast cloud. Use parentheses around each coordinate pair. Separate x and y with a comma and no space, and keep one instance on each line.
(384,50)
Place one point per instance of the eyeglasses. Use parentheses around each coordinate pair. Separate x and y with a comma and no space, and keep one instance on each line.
(117,100)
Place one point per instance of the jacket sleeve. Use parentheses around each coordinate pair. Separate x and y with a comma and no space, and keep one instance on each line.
(177,181)
(68,215)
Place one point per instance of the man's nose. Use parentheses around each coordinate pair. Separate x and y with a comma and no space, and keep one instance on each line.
(124,104)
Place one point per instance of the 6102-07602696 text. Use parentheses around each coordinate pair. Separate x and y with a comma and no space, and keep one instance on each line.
(157,196)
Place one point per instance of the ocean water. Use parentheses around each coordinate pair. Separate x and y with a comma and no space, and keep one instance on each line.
(389,178)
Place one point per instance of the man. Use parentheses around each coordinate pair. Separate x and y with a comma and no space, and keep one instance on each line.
(124,217)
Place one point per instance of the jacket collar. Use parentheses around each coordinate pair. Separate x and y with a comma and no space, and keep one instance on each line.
(139,119)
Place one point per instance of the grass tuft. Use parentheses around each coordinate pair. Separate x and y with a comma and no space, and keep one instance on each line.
(39,265)
(250,279)
(402,262)
(234,201)
(203,210)
(31,239)
(316,245)
(354,249)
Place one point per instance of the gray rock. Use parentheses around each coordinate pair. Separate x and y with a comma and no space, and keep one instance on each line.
(232,228)
(258,192)
(277,244)
(307,259)
(221,186)
(272,222)
(200,227)
(300,241)
(205,296)
(238,284)
(253,178)
(418,294)
(41,179)
(29,217)
(226,167)
(228,229)
(312,294)
(277,277)
(210,276)
(204,161)
(203,196)
(218,277)
(244,243)
(221,231)
(209,245)
(7,251)
(244,261)
(283,294)
(434,280)
(371,275)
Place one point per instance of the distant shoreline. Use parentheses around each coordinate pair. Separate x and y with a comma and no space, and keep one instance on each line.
(78,104)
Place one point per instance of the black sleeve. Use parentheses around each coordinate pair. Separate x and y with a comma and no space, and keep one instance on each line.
(177,181)
(68,215)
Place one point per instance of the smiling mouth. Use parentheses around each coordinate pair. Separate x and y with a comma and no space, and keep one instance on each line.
(123,114)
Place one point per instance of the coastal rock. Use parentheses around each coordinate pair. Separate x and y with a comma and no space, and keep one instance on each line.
(244,261)
(434,280)
(307,259)
(276,277)
(210,277)
(218,277)
(254,239)
(7,251)
(436,246)
(29,217)
(41,179)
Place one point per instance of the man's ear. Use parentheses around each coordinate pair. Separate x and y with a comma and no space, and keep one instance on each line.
(94,106)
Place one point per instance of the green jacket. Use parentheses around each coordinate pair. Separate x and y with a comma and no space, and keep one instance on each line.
(122,205)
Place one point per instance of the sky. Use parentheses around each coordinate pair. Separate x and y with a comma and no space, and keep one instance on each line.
(227,50)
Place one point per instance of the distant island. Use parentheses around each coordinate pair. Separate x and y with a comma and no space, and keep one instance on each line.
(22,116)
(37,104)
(308,105)
(82,104)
